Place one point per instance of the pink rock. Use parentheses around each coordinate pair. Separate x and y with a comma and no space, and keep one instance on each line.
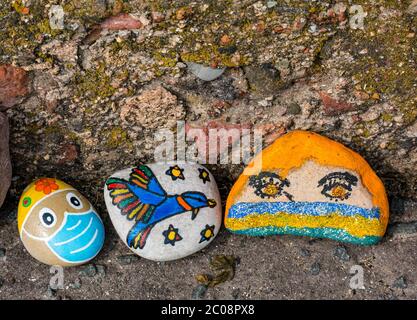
(219,128)
(5,165)
(14,84)
(122,21)
(333,106)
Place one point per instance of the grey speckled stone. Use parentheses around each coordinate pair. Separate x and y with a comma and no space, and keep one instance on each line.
(199,292)
(341,253)
(315,269)
(127,259)
(89,270)
(293,109)
(400,283)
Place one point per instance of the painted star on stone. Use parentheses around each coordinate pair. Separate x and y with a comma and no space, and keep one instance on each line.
(204,175)
(207,233)
(175,173)
(171,235)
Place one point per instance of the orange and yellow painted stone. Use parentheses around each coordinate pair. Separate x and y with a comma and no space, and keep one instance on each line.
(306,184)
(58,225)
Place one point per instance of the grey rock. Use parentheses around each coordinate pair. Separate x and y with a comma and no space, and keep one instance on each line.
(293,109)
(305,252)
(127,259)
(2,253)
(101,270)
(76,284)
(400,283)
(271,4)
(341,253)
(199,292)
(1,282)
(236,293)
(56,17)
(312,28)
(89,270)
(264,80)
(315,269)
(203,72)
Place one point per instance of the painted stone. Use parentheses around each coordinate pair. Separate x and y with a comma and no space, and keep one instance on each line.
(306,184)
(58,225)
(5,166)
(164,211)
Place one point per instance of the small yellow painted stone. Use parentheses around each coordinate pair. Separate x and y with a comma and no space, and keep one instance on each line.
(58,225)
(306,184)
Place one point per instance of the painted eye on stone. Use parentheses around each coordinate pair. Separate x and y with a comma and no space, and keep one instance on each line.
(74,201)
(269,185)
(47,217)
(337,185)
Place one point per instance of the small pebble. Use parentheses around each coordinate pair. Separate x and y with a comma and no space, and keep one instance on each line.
(271,4)
(305,252)
(236,293)
(400,283)
(89,271)
(203,72)
(315,269)
(199,292)
(312,28)
(76,284)
(1,282)
(101,270)
(341,253)
(2,253)
(127,259)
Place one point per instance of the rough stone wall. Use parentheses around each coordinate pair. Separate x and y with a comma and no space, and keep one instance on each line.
(98,90)
(5,165)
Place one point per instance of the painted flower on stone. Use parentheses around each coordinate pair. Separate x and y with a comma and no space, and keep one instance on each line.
(46,185)
(175,173)
(207,233)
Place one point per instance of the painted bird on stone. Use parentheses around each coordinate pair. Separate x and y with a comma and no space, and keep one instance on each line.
(143,200)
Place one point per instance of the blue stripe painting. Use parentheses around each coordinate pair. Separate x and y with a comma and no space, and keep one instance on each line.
(243,209)
(330,233)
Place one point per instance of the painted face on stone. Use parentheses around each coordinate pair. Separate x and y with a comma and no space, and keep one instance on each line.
(48,215)
(309,185)
(58,225)
(311,182)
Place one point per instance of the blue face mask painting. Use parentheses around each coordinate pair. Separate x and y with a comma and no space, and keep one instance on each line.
(79,239)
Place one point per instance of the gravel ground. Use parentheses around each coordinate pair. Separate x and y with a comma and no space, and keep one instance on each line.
(86,100)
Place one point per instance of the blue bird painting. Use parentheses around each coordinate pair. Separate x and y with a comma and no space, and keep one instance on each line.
(143,200)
